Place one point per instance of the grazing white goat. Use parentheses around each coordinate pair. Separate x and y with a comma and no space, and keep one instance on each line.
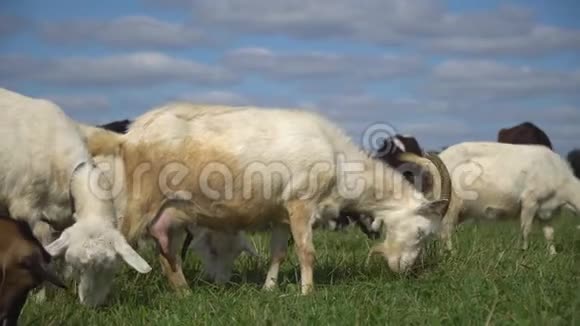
(495,180)
(46,175)
(228,168)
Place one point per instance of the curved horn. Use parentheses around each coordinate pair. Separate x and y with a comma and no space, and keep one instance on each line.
(441,178)
(443,174)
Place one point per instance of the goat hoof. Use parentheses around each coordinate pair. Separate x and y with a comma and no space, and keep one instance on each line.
(184,292)
(269,287)
(524,248)
(307,289)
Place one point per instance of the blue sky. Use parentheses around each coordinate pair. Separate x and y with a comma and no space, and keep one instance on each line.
(444,71)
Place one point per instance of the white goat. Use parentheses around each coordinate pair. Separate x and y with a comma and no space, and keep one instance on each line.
(307,171)
(495,180)
(45,175)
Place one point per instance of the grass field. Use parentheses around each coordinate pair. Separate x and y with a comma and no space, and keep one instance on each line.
(488,279)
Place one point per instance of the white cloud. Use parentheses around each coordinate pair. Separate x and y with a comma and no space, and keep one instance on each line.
(141,68)
(500,21)
(560,115)
(370,20)
(506,29)
(491,80)
(11,25)
(540,39)
(446,127)
(420,117)
(314,65)
(542,116)
(79,102)
(420,106)
(568,132)
(438,122)
(127,32)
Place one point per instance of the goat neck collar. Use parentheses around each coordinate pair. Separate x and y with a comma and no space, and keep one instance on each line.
(61,226)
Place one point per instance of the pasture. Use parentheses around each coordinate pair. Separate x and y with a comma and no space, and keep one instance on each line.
(488,280)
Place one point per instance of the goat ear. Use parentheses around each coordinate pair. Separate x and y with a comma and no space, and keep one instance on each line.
(130,256)
(60,245)
(249,247)
(434,208)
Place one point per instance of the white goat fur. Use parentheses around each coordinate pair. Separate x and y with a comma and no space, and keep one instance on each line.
(508,180)
(236,137)
(44,162)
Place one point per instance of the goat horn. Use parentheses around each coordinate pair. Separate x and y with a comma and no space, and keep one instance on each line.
(443,175)
(437,169)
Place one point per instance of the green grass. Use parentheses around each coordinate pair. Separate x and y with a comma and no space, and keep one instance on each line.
(488,279)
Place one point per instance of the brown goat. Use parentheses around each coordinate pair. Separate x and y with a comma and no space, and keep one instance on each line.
(23,266)
(524,133)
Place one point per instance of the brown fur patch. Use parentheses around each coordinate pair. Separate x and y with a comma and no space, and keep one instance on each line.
(17,244)
(101,142)
(146,199)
